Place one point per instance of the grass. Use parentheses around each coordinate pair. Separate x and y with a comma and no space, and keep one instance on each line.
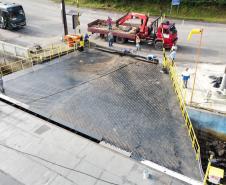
(202,13)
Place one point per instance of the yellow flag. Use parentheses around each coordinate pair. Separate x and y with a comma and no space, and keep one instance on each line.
(194,31)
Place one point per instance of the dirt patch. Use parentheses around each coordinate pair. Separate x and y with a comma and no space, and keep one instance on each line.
(210,144)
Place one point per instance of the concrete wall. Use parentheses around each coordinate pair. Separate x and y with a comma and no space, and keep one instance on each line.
(208,120)
(15,50)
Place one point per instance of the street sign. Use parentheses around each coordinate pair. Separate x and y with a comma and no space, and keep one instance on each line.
(175,2)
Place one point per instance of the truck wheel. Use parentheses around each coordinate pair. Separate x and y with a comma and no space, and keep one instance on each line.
(159,45)
(120,40)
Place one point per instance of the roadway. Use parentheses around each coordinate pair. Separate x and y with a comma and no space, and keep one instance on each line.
(45,26)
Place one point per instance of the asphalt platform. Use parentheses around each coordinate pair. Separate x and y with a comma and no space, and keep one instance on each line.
(129,103)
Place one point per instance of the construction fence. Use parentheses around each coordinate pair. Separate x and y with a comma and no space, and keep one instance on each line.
(181,95)
(37,57)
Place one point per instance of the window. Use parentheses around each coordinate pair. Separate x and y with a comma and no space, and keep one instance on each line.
(16,12)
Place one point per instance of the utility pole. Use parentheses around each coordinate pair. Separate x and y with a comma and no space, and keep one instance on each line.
(64,18)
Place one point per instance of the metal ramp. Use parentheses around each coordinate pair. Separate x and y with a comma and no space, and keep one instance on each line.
(130,104)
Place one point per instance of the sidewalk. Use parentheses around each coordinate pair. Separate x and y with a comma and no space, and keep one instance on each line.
(205,95)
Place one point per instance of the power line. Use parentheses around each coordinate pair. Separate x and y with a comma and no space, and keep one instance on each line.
(59,165)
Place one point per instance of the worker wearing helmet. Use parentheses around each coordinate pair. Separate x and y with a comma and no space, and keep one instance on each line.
(81,44)
(172,55)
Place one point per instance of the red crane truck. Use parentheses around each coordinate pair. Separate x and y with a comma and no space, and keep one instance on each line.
(152,32)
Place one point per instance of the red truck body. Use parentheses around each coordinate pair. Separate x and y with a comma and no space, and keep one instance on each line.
(152,33)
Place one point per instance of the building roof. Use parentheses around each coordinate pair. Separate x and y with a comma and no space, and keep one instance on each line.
(33,151)
(120,100)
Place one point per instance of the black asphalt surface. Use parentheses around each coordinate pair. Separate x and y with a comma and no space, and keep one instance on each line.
(129,103)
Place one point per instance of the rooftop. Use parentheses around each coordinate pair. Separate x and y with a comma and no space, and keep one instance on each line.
(118,100)
(33,151)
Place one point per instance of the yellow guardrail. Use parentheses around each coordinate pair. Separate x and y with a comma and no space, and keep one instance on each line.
(47,54)
(181,95)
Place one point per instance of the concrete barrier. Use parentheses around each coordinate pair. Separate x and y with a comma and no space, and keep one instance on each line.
(12,49)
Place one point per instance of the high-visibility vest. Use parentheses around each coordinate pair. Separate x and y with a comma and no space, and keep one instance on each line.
(82,43)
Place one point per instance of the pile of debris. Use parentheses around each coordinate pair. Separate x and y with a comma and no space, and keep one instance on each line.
(219,82)
(215,146)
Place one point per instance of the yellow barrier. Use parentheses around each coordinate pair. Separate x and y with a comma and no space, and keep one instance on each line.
(181,95)
(54,51)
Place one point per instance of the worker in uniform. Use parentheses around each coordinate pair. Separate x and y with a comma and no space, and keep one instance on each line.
(2,90)
(138,43)
(86,39)
(185,77)
(110,39)
(81,44)
(172,56)
(109,22)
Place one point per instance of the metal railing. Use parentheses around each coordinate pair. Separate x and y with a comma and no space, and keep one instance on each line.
(38,57)
(12,49)
(181,95)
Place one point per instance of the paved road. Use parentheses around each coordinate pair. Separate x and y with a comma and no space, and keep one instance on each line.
(45,23)
(45,26)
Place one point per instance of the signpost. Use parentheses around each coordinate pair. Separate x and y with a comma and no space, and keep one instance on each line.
(175,3)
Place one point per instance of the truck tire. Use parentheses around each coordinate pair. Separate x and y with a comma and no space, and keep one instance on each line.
(159,45)
(120,40)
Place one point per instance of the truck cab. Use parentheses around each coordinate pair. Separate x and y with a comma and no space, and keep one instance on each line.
(167,32)
(12,16)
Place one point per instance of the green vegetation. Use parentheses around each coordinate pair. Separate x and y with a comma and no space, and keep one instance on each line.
(205,10)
